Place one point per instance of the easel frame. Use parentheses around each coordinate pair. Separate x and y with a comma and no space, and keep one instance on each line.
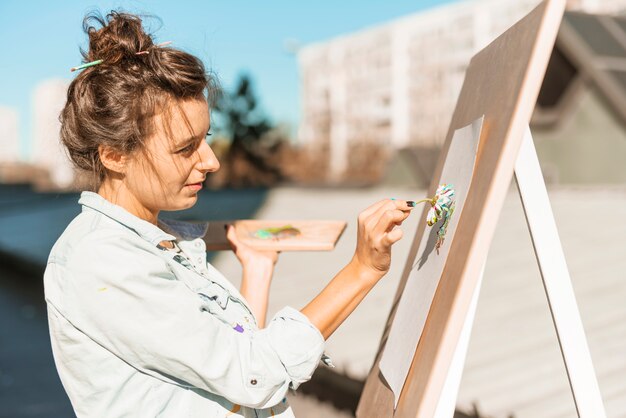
(502,83)
(559,293)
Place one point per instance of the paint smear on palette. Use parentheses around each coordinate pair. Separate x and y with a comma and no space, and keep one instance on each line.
(276,233)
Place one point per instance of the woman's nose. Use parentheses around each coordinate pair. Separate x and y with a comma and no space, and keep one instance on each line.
(208,161)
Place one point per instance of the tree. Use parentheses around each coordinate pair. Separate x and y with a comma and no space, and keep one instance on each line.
(247,162)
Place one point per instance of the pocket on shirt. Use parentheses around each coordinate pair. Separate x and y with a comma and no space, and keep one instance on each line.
(214,292)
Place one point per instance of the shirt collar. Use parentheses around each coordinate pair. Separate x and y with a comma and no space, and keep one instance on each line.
(186,231)
(145,229)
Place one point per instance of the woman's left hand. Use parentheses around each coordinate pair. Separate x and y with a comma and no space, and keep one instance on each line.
(247,255)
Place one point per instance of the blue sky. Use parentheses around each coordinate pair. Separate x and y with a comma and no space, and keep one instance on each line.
(41,40)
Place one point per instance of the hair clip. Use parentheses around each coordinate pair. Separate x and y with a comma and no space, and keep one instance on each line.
(85,65)
(147,51)
(96,62)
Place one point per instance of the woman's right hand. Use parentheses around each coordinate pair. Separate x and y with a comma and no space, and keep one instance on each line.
(376,234)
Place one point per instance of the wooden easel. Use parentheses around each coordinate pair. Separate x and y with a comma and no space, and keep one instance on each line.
(559,292)
(502,83)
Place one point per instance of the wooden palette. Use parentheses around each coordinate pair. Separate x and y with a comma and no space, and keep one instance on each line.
(314,235)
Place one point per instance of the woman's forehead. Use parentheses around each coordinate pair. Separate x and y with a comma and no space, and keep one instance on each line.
(185,119)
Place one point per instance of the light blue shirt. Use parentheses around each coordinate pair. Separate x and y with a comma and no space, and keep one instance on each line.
(140,331)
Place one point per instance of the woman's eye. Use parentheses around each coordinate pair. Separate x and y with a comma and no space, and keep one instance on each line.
(193,146)
(188,148)
(208,138)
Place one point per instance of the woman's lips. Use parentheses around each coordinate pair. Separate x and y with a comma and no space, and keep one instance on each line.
(194,186)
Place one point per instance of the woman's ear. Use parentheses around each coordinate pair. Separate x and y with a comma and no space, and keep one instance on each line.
(112,159)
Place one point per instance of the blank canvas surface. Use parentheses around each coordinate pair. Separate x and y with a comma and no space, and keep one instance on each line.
(424,277)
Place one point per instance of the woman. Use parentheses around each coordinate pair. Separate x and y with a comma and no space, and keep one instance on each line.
(140,323)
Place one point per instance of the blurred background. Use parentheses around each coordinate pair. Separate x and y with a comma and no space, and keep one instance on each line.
(327,108)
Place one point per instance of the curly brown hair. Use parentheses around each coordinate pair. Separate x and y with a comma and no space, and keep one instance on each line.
(113,103)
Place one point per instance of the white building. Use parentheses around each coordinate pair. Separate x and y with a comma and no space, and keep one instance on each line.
(48,100)
(9,135)
(397,83)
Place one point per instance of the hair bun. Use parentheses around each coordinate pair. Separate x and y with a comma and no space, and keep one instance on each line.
(115,38)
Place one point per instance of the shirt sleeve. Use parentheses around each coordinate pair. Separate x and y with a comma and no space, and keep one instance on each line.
(127,300)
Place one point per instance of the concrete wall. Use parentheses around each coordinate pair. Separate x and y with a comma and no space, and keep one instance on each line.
(588,147)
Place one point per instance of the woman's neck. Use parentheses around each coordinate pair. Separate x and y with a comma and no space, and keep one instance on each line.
(116,192)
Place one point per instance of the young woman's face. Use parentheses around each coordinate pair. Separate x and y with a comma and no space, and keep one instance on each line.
(169,174)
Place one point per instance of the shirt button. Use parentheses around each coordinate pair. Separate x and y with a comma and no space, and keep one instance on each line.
(253,382)
(198,244)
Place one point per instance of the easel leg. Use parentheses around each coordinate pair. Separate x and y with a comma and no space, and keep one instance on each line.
(557,282)
(450,391)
